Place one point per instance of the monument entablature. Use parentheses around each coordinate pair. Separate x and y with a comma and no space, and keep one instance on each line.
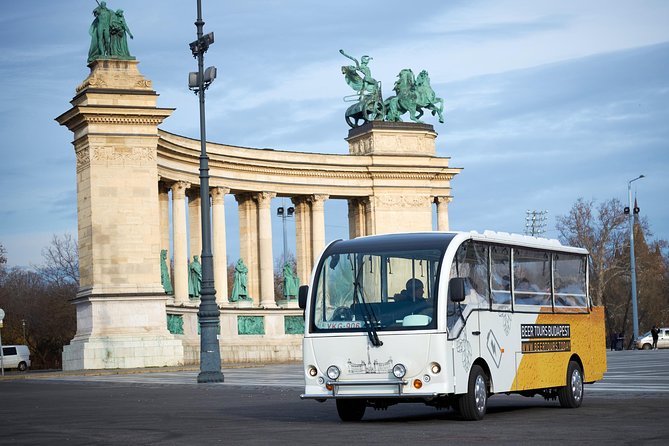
(297,173)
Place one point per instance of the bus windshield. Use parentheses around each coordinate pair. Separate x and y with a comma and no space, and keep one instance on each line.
(377,289)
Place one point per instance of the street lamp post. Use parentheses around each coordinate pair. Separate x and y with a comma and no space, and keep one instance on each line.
(208,313)
(635,314)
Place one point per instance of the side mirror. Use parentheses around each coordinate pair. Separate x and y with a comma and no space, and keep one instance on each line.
(302,294)
(456,289)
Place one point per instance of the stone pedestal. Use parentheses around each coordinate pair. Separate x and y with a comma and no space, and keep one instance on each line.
(121,320)
(400,202)
(392,138)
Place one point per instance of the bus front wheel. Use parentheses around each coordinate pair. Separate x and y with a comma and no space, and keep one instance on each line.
(571,395)
(351,409)
(472,405)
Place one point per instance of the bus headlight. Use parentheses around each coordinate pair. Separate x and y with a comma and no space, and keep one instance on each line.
(435,368)
(312,371)
(333,372)
(399,371)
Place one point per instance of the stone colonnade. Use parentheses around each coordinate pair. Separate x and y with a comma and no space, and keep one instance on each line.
(397,207)
(127,170)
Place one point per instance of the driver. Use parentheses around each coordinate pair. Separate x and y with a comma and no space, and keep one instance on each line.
(414,291)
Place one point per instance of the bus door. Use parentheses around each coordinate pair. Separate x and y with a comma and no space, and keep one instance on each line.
(464,318)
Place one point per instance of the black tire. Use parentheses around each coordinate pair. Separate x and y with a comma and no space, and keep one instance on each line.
(646,347)
(472,405)
(571,395)
(351,409)
(23,366)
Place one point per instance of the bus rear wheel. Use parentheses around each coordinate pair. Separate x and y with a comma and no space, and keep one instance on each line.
(472,405)
(571,395)
(351,409)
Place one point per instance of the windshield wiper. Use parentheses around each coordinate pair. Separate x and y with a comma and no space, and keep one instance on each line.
(367,312)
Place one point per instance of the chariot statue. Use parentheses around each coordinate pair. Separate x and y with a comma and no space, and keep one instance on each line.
(368,104)
(413,95)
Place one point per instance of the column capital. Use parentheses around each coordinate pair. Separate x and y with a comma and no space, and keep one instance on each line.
(264,198)
(163,187)
(299,199)
(193,192)
(443,199)
(179,189)
(243,197)
(317,198)
(218,194)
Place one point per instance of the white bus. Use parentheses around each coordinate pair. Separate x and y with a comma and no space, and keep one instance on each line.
(449,319)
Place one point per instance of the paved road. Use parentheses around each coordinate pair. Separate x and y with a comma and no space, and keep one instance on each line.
(262,405)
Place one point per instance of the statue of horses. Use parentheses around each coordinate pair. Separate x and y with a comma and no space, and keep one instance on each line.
(412,96)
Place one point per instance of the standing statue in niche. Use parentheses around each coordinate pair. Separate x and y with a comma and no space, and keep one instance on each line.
(164,273)
(239,286)
(108,35)
(291,282)
(194,278)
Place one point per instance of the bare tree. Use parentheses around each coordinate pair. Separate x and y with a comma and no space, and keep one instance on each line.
(61,260)
(603,230)
(3,259)
(602,234)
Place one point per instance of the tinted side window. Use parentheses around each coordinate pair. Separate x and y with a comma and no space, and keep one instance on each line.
(9,351)
(501,276)
(531,277)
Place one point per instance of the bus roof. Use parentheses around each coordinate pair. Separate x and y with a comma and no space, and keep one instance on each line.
(443,238)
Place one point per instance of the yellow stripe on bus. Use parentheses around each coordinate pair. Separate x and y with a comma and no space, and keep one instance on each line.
(542,363)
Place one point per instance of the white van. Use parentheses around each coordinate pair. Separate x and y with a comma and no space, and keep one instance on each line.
(15,357)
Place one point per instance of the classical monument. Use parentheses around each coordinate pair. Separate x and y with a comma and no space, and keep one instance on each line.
(131,311)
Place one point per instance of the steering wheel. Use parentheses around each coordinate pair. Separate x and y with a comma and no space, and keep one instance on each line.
(342,314)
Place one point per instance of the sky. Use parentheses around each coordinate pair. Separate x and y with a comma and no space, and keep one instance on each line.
(545,102)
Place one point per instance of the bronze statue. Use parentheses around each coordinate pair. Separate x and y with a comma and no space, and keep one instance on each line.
(194,278)
(239,287)
(369,105)
(412,95)
(164,272)
(108,34)
(291,282)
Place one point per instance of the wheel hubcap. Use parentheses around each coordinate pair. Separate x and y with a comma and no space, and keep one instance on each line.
(577,385)
(480,394)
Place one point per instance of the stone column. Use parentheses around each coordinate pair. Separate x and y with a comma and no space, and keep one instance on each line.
(442,212)
(180,246)
(318,225)
(370,216)
(164,200)
(219,245)
(264,200)
(248,242)
(303,256)
(356,218)
(194,223)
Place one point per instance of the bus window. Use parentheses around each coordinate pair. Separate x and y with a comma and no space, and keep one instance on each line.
(471,263)
(500,277)
(386,290)
(569,280)
(531,277)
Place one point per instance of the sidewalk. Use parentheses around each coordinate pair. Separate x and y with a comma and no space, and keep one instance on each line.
(49,374)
